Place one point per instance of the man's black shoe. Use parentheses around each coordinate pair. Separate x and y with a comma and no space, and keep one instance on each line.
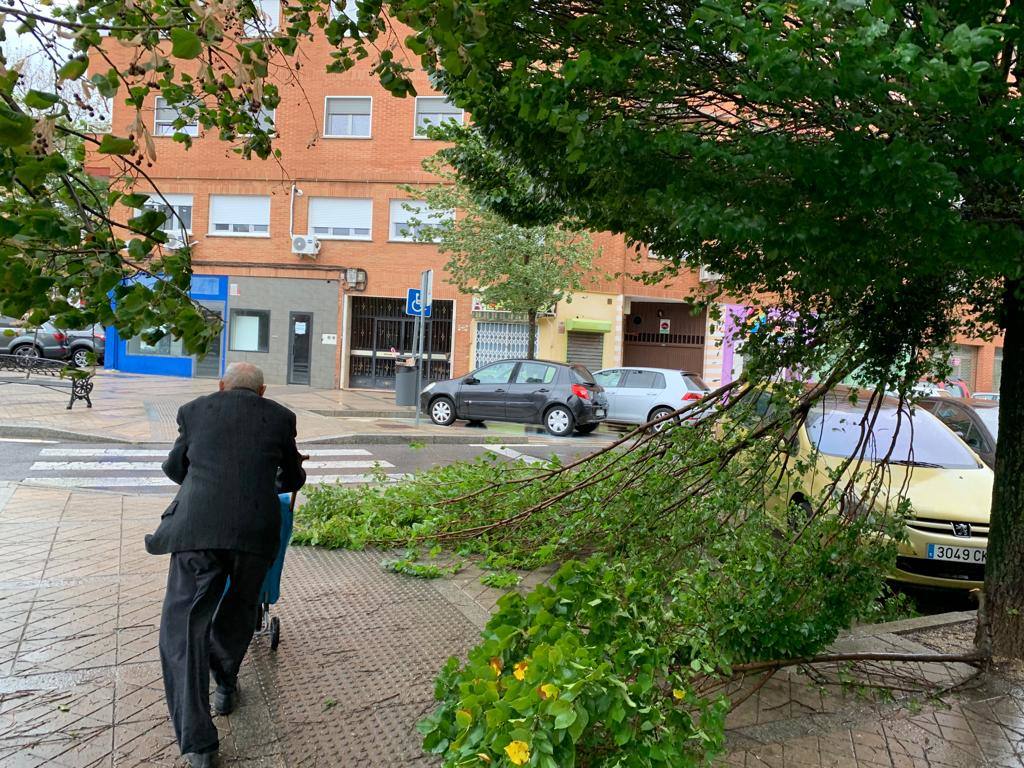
(224,702)
(200,759)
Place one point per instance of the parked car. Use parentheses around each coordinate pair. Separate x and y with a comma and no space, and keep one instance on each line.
(993,396)
(45,341)
(951,388)
(642,395)
(976,422)
(83,343)
(561,397)
(948,486)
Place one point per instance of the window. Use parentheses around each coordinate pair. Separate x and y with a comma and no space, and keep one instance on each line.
(340,218)
(177,210)
(240,215)
(168,346)
(165,116)
(249,330)
(434,110)
(608,378)
(404,211)
(348,117)
(645,380)
(499,373)
(264,118)
(997,369)
(268,18)
(535,373)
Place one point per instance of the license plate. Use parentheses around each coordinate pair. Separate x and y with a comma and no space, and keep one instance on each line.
(959,554)
(599,412)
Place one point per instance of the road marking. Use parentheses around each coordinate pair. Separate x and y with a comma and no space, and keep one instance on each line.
(144,452)
(25,440)
(509,453)
(318,479)
(122,466)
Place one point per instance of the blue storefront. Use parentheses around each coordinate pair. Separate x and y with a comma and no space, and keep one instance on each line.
(167,357)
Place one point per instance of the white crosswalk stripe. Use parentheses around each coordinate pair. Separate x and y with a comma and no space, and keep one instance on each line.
(510,453)
(128,468)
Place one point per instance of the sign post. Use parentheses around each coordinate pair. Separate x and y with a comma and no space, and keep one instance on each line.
(425,298)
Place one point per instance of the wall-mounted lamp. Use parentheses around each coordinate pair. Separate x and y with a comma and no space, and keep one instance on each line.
(355,279)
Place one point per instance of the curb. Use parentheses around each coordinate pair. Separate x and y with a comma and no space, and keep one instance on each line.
(399,438)
(354,413)
(906,626)
(63,435)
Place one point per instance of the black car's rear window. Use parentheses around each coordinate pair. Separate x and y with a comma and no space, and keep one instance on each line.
(580,375)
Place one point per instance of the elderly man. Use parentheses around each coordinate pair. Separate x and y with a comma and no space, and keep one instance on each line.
(234,453)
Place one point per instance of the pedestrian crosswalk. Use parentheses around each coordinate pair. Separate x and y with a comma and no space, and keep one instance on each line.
(127,468)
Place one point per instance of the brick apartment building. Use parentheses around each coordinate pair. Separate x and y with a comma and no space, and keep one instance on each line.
(336,318)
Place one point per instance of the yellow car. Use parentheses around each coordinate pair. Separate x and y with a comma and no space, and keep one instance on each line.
(949,488)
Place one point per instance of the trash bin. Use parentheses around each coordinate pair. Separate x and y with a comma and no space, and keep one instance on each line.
(405,385)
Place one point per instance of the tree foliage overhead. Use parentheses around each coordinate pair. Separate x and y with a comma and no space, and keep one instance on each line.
(523,269)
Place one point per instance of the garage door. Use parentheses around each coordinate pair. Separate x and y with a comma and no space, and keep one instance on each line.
(586,349)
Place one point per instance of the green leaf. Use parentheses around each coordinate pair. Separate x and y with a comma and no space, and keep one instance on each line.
(185,44)
(15,128)
(40,99)
(73,69)
(116,145)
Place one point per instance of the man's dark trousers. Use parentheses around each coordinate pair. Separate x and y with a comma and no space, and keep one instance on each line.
(204,629)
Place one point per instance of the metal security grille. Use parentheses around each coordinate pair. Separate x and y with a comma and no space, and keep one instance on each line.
(586,349)
(380,325)
(500,341)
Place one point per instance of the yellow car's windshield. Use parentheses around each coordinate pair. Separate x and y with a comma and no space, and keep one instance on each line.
(836,429)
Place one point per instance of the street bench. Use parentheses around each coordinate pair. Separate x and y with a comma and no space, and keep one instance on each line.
(51,374)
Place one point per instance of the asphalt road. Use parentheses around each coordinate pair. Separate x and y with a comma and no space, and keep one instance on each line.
(135,468)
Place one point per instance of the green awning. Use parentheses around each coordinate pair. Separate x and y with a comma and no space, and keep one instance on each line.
(583,324)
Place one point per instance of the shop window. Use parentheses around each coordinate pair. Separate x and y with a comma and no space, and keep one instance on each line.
(348,117)
(435,110)
(168,346)
(340,218)
(240,215)
(249,330)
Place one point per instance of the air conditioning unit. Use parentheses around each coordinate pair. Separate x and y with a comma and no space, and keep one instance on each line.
(305,245)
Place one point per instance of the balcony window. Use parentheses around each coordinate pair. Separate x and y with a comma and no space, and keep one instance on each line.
(403,212)
(435,110)
(348,117)
(240,215)
(165,117)
(340,218)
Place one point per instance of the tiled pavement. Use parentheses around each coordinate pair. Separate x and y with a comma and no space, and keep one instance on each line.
(80,684)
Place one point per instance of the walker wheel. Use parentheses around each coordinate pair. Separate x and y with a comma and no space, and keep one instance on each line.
(275,633)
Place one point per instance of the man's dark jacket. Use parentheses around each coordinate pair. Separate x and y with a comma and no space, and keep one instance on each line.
(234,453)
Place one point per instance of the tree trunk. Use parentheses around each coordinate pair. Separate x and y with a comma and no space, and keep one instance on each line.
(1001,617)
(531,344)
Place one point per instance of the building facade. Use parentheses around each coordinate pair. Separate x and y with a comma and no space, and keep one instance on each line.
(335,317)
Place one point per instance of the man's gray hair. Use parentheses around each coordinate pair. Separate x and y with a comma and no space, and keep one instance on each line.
(243,376)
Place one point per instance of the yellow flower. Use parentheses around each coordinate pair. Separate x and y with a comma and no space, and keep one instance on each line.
(519,670)
(548,691)
(677,694)
(496,665)
(518,752)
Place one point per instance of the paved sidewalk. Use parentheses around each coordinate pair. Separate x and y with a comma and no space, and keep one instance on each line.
(135,408)
(80,683)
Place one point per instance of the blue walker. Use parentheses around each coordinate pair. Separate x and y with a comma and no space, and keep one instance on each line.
(271,589)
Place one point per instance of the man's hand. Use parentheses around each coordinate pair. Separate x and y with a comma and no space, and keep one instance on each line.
(303,457)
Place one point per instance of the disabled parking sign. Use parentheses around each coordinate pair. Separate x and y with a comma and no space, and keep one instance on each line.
(414,304)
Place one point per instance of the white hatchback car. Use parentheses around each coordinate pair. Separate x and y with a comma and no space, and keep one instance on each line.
(640,395)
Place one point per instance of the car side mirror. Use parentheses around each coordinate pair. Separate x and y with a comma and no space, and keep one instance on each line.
(470,380)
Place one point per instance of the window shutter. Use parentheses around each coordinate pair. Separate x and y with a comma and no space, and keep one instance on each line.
(353,213)
(239,209)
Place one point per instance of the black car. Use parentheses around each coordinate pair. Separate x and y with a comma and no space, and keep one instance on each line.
(561,397)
